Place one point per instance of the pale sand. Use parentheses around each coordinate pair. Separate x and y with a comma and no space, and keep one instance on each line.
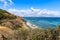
(31,26)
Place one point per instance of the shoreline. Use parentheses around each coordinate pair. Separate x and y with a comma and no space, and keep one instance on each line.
(31,25)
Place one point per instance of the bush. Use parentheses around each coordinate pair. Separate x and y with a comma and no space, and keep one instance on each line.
(38,34)
(6,15)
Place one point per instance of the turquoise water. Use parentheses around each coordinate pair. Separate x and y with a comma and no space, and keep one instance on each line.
(43,22)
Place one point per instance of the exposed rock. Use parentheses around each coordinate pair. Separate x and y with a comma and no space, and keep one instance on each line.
(9,23)
(6,33)
(1,38)
(14,22)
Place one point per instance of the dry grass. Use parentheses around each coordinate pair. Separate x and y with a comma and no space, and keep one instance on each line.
(5,31)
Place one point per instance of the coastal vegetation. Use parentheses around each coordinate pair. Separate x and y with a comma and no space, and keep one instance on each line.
(38,34)
(33,34)
(15,28)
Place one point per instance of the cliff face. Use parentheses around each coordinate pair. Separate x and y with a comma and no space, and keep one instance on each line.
(9,23)
(9,20)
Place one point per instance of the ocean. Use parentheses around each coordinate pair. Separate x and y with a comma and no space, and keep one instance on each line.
(43,22)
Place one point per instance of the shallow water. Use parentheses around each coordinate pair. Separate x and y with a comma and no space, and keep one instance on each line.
(43,22)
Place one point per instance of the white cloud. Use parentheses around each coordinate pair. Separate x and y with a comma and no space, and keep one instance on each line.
(6,2)
(10,1)
(35,12)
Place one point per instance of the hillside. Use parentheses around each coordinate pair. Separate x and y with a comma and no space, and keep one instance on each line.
(9,20)
(6,15)
(9,23)
(14,27)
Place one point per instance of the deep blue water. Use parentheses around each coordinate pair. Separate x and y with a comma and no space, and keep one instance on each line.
(44,22)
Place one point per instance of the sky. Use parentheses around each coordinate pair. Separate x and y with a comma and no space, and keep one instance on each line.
(32,8)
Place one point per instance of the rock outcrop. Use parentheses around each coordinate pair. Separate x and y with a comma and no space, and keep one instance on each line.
(9,23)
(9,20)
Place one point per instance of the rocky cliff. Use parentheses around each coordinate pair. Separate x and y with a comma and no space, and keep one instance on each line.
(9,23)
(9,20)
